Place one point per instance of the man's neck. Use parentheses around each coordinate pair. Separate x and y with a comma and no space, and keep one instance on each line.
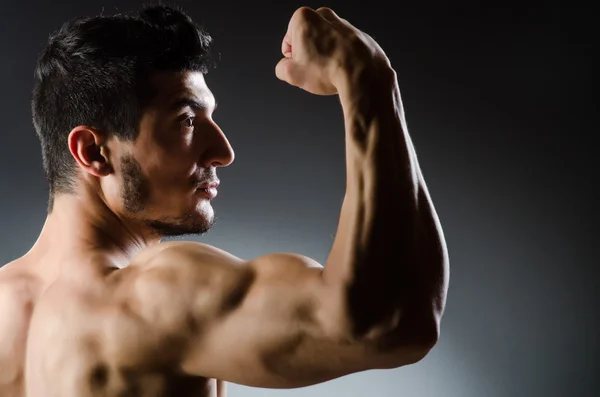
(84,229)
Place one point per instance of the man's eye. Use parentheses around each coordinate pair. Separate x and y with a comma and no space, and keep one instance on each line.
(188,123)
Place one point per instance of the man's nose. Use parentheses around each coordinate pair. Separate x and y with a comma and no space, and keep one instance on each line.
(217,149)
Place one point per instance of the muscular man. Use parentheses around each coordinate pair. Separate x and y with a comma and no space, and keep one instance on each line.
(100,307)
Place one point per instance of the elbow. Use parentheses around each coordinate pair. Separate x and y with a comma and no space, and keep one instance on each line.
(402,341)
(421,345)
(415,322)
(407,345)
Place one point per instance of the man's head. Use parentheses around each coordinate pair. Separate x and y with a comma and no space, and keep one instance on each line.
(122,109)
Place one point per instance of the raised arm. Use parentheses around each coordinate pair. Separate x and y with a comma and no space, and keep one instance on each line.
(389,254)
(282,320)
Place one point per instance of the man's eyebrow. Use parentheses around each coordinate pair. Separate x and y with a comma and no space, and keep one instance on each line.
(191,103)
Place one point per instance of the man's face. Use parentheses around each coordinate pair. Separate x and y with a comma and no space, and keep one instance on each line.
(168,177)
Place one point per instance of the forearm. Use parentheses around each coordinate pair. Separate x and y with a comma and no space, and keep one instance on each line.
(389,253)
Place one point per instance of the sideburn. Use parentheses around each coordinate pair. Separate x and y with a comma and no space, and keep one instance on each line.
(136,187)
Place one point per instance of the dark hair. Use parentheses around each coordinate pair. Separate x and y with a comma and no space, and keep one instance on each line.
(95,72)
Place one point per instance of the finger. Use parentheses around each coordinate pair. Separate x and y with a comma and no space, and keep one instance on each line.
(288,70)
(304,17)
(286,46)
(331,16)
(328,14)
(295,26)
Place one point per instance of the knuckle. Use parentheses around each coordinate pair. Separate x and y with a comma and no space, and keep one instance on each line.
(325,10)
(305,13)
(301,20)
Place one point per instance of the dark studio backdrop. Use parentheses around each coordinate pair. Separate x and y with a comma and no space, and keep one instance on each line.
(496,104)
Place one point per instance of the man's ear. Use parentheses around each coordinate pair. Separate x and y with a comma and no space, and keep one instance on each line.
(88,148)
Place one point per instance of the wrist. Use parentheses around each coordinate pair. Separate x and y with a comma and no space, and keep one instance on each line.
(361,66)
(360,79)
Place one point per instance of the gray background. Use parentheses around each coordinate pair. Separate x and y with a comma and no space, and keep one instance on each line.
(496,102)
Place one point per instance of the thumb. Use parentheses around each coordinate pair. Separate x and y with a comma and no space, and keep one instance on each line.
(289,71)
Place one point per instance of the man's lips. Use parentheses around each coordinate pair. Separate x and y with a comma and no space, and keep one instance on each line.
(210,185)
(209,190)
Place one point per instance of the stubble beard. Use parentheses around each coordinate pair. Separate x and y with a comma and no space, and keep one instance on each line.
(135,195)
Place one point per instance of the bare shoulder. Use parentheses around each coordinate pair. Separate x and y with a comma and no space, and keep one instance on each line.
(175,273)
(198,300)
(207,262)
(18,291)
(17,300)
(180,252)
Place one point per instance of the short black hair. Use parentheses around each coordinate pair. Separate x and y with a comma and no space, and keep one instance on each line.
(95,71)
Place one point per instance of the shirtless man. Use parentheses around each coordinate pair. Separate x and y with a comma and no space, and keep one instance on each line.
(100,307)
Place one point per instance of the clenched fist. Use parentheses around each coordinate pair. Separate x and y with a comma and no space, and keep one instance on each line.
(322,51)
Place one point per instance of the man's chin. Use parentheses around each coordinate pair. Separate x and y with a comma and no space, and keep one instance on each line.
(191,224)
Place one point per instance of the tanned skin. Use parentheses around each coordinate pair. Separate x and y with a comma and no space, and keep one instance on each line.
(100,307)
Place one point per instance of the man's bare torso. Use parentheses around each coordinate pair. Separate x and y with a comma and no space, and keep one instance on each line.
(53,341)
